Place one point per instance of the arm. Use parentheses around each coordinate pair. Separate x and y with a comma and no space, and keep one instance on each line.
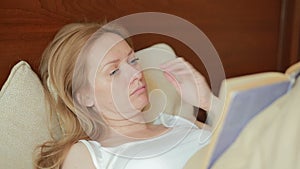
(78,157)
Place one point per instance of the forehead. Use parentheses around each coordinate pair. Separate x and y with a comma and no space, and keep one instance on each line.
(107,47)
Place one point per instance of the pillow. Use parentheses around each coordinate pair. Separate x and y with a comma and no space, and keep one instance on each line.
(23,117)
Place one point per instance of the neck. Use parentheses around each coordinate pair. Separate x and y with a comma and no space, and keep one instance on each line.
(127,127)
(127,130)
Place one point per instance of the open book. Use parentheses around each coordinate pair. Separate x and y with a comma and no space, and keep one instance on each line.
(244,97)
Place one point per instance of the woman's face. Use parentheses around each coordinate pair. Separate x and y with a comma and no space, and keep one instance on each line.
(119,86)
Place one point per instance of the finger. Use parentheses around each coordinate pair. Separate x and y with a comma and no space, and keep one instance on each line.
(171,62)
(179,60)
(182,72)
(177,66)
(184,66)
(182,69)
(172,79)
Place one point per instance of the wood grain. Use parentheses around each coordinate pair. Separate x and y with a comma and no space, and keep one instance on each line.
(289,46)
(245,33)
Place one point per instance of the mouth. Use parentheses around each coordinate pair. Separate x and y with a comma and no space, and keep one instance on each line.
(139,90)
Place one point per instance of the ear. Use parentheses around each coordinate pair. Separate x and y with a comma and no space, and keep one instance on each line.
(85,98)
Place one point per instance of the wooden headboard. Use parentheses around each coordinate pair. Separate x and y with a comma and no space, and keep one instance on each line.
(250,36)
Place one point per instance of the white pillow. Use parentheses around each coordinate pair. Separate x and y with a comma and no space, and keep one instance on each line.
(23,117)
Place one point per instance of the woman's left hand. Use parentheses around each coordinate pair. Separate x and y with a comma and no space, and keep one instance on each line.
(189,83)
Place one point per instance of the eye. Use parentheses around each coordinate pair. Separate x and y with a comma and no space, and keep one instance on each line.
(114,72)
(134,60)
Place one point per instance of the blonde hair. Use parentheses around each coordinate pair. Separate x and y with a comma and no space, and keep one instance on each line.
(57,69)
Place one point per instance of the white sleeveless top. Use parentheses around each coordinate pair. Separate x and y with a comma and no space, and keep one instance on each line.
(168,151)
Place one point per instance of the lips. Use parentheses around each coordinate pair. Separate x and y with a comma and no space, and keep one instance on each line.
(138,89)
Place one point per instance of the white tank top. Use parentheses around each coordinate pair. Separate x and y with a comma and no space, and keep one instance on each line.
(168,151)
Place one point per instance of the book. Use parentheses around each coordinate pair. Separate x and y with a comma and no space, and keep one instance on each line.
(243,98)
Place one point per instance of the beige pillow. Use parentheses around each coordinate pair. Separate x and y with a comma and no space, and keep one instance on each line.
(23,117)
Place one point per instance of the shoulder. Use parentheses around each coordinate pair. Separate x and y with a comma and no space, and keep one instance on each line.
(78,157)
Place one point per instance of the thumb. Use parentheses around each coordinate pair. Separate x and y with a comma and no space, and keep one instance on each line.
(171,78)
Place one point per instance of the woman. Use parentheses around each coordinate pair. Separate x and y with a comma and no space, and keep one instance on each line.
(96,86)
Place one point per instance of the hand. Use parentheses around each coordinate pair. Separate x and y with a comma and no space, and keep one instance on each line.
(189,83)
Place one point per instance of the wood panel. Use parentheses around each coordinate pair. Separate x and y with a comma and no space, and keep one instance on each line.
(289,38)
(245,33)
(250,36)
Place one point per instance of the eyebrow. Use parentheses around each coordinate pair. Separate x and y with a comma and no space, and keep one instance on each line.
(117,60)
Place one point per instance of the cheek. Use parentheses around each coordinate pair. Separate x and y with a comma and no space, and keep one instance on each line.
(120,85)
(100,95)
(102,92)
(107,92)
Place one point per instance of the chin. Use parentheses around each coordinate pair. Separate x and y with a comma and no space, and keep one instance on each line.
(141,102)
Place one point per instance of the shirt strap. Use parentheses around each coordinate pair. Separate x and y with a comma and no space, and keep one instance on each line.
(95,152)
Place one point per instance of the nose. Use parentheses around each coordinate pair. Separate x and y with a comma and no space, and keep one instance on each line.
(134,73)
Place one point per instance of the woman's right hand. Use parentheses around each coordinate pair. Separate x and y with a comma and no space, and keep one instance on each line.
(189,83)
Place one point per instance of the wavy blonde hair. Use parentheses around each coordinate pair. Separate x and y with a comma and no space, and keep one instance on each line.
(56,70)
